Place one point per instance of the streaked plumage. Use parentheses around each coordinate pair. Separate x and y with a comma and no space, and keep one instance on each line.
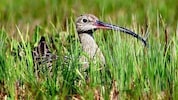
(43,58)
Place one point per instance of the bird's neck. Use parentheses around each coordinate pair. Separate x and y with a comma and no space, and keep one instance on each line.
(88,44)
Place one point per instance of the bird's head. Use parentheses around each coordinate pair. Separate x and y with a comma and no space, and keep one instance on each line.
(89,23)
(86,23)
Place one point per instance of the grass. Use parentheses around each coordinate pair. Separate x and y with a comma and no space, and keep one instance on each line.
(136,72)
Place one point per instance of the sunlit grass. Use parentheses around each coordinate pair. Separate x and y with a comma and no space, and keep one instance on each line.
(140,72)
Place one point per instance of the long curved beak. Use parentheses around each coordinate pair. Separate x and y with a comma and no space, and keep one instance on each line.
(102,25)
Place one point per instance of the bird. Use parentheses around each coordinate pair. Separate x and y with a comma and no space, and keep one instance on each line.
(43,58)
(86,25)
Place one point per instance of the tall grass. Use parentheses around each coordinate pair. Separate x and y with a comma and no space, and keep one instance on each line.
(139,72)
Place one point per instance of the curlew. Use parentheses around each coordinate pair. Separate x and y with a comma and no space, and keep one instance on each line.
(86,25)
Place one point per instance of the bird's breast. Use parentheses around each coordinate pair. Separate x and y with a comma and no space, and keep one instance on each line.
(88,44)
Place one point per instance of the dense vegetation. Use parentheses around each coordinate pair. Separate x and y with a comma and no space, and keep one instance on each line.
(132,71)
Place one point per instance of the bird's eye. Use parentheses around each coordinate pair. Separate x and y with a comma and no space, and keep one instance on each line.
(84,20)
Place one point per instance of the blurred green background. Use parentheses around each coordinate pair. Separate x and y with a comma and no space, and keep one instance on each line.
(122,12)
